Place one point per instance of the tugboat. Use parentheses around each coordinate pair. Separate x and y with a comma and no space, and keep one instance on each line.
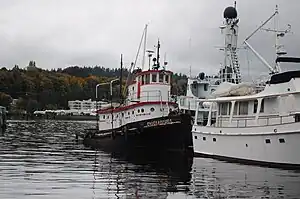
(147,118)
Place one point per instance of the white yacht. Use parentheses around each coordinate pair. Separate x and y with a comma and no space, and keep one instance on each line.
(260,127)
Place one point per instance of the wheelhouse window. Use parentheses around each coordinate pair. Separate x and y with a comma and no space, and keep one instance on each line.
(161,78)
(148,79)
(143,80)
(243,108)
(154,78)
(167,79)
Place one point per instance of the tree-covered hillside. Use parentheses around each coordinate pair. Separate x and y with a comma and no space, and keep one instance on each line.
(38,89)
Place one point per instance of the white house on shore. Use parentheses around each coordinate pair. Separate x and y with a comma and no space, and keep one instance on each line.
(77,107)
(85,105)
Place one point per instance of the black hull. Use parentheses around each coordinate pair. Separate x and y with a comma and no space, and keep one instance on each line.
(249,162)
(156,135)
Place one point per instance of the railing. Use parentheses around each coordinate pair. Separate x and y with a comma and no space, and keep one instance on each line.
(189,103)
(146,96)
(251,122)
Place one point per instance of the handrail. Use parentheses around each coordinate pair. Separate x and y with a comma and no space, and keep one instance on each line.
(243,122)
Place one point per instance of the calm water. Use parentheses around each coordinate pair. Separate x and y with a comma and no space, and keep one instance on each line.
(42,160)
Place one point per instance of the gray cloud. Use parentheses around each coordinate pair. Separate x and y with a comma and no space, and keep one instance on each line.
(60,33)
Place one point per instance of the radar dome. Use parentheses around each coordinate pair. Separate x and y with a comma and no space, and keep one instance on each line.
(230,13)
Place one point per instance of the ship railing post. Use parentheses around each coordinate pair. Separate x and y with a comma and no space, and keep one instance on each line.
(97,114)
(209,115)
(196,114)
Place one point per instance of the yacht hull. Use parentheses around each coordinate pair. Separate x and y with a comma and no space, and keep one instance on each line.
(171,133)
(273,146)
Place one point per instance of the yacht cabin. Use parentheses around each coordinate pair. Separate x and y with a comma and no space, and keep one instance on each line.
(278,103)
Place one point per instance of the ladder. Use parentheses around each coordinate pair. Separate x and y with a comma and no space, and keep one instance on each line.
(236,66)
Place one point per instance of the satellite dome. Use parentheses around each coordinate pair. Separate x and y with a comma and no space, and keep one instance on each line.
(230,13)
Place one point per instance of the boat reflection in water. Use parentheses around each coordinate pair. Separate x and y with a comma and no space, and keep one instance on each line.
(142,173)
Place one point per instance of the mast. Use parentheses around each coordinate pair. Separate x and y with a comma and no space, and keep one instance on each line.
(230,72)
(278,47)
(157,56)
(134,63)
(145,43)
(121,79)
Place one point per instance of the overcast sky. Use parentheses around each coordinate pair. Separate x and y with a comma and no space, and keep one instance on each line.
(60,33)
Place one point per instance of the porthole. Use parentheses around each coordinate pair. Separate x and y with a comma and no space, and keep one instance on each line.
(132,112)
(195,137)
(123,114)
(281,140)
(214,139)
(138,110)
(268,141)
(204,138)
(128,113)
(142,110)
(246,145)
(152,109)
(103,116)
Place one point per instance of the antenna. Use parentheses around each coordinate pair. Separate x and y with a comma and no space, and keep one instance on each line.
(165,61)
(278,47)
(150,53)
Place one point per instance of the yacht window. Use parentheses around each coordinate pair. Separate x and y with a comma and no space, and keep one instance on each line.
(243,108)
(161,77)
(262,108)
(147,79)
(195,137)
(281,140)
(214,139)
(297,117)
(154,79)
(256,104)
(167,78)
(268,141)
(142,110)
(235,108)
(223,108)
(204,138)
(142,79)
(205,87)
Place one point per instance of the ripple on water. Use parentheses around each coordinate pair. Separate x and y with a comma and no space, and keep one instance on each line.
(40,159)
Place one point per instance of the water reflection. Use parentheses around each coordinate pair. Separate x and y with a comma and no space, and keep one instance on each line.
(43,160)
